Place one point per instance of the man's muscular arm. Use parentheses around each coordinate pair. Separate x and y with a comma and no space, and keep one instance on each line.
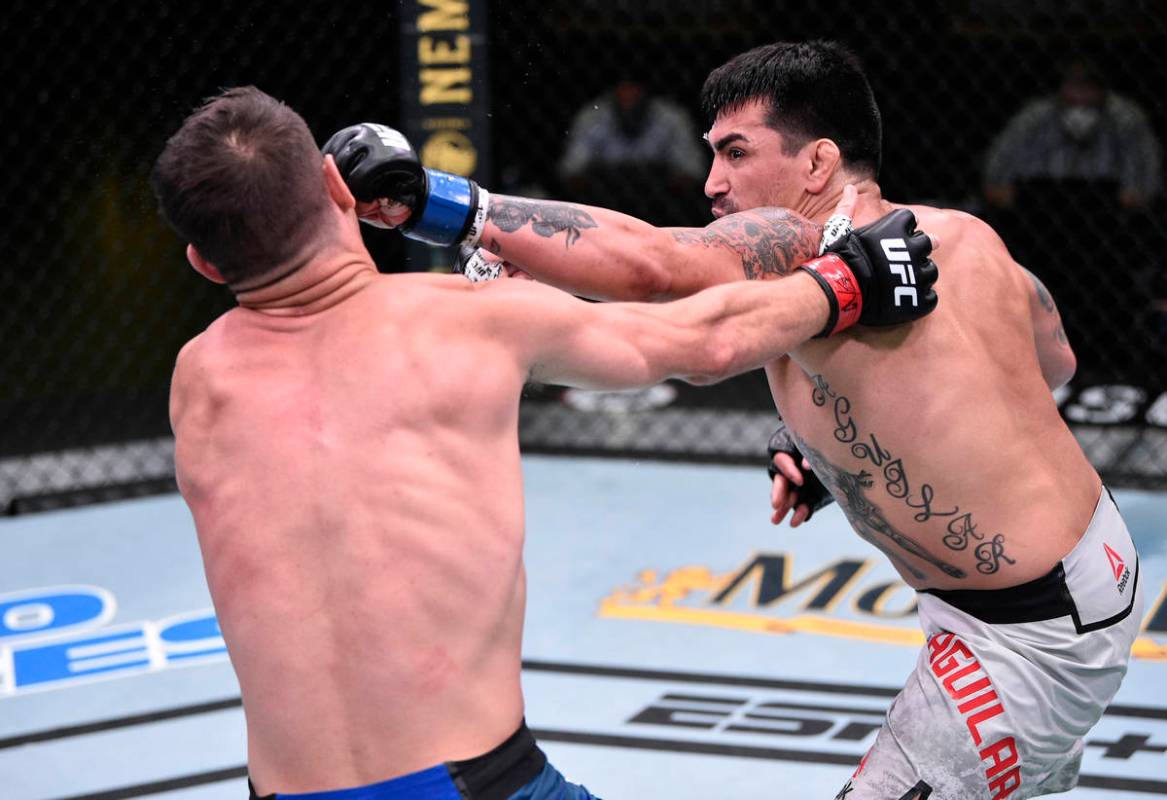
(586,250)
(1054,353)
(709,336)
(607,255)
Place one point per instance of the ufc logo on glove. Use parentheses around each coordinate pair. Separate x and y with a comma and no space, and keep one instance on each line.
(896,250)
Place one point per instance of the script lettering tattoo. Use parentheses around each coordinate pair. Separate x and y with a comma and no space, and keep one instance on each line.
(850,490)
(990,554)
(547,217)
(769,241)
(896,483)
(845,430)
(821,390)
(873,453)
(959,530)
(925,505)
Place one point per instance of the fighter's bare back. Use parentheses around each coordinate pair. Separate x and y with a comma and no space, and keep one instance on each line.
(363,545)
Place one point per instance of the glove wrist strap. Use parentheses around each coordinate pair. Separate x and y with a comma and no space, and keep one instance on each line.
(454,210)
(842,290)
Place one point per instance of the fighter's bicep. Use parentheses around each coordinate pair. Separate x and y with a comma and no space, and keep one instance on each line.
(601,346)
(561,339)
(757,244)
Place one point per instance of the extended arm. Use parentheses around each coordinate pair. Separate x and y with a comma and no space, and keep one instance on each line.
(712,335)
(1054,353)
(727,329)
(592,252)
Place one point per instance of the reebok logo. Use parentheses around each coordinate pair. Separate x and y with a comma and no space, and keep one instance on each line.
(900,262)
(1121,573)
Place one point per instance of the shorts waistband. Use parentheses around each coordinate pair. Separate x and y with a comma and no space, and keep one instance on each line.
(501,772)
(495,775)
(1095,584)
(1046,597)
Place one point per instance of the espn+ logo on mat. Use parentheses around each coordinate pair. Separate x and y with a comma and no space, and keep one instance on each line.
(58,635)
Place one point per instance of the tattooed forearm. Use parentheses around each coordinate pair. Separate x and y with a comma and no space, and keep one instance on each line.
(547,217)
(769,241)
(989,554)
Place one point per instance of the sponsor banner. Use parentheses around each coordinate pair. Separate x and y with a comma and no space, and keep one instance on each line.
(803,722)
(445,94)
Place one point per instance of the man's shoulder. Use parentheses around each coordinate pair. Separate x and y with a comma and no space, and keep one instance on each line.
(198,347)
(953,226)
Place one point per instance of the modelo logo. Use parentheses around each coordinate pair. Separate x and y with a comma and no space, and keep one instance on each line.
(58,636)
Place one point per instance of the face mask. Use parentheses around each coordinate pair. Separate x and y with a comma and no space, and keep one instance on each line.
(1081,121)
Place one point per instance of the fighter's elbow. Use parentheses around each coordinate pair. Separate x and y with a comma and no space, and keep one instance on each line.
(649,280)
(718,360)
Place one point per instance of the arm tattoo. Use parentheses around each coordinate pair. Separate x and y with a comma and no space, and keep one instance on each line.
(547,217)
(1047,302)
(865,516)
(769,241)
(1043,295)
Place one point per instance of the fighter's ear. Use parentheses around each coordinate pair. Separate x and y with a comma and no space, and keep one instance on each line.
(823,159)
(202,266)
(337,188)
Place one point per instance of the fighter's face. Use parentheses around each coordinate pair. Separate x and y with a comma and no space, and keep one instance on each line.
(749,168)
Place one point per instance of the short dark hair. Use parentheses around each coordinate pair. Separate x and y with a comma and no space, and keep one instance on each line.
(815,90)
(241,180)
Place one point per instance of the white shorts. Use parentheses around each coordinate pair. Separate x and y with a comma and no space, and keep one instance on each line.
(1011,680)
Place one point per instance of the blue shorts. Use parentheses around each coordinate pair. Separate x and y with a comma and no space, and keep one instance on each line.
(515,770)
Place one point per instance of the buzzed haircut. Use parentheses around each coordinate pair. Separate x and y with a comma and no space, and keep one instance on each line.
(241,180)
(814,90)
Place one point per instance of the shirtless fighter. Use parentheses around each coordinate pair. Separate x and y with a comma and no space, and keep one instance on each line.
(371,595)
(940,441)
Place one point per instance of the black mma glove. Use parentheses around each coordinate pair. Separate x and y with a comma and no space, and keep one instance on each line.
(377,163)
(879,274)
(812,492)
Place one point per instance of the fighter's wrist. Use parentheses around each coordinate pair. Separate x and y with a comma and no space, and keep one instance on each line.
(453,211)
(844,297)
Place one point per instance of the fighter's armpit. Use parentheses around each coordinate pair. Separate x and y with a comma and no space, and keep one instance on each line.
(769,241)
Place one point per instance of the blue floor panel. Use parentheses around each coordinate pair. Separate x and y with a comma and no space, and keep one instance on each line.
(662,606)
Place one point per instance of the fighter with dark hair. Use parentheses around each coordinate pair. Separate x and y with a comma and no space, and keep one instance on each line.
(940,440)
(373,607)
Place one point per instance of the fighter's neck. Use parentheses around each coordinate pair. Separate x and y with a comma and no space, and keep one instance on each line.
(319,284)
(869,206)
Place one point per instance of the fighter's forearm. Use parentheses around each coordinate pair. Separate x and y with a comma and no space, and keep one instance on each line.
(588,251)
(604,254)
(742,326)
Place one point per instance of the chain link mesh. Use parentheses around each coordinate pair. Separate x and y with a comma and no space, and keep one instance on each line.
(97,298)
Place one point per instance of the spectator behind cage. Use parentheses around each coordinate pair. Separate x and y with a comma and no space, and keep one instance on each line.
(1083,164)
(1084,132)
(636,152)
